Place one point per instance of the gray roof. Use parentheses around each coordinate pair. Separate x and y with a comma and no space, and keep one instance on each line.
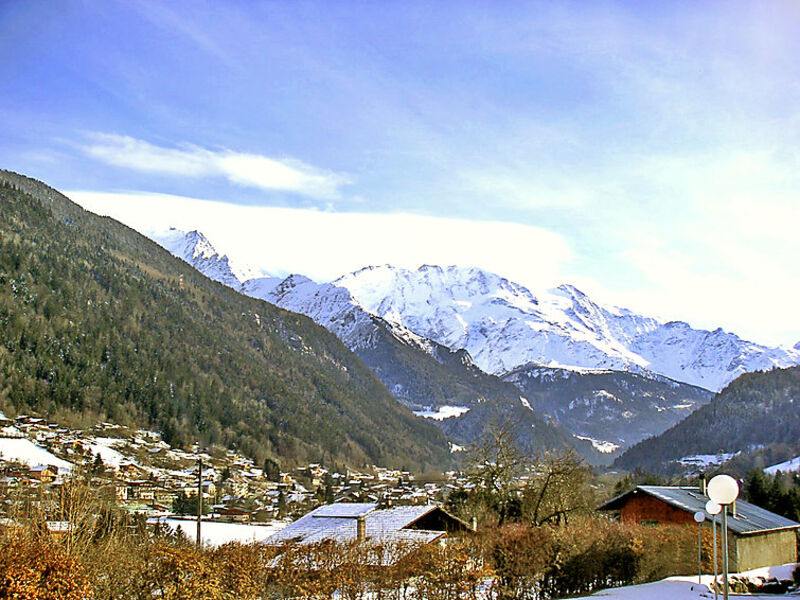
(345,510)
(338,522)
(749,517)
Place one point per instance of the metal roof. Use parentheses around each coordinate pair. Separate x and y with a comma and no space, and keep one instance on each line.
(328,522)
(345,510)
(749,518)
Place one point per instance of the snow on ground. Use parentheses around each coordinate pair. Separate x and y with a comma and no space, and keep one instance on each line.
(686,587)
(707,460)
(102,446)
(26,452)
(787,466)
(443,412)
(673,588)
(600,445)
(217,534)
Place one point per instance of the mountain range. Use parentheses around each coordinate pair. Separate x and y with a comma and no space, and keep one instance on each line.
(99,322)
(504,325)
(438,378)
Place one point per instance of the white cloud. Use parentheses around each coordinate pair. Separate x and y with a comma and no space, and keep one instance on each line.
(250,170)
(717,244)
(324,245)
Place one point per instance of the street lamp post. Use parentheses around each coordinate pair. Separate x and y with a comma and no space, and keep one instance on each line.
(714,509)
(699,517)
(723,490)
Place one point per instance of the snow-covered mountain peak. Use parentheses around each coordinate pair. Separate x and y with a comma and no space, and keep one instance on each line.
(372,286)
(197,250)
(502,324)
(294,280)
(200,245)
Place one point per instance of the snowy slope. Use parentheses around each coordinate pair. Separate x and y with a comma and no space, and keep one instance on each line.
(195,249)
(22,450)
(788,466)
(328,305)
(504,325)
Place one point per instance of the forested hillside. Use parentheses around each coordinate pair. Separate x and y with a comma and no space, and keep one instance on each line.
(617,407)
(98,322)
(757,409)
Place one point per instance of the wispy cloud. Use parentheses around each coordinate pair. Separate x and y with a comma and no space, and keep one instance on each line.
(187,160)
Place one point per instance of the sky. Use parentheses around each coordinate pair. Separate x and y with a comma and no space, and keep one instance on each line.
(646,152)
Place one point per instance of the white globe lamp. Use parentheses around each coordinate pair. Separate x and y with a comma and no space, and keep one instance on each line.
(713,508)
(723,489)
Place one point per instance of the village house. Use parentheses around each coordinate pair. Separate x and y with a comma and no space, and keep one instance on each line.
(43,473)
(756,537)
(234,515)
(345,522)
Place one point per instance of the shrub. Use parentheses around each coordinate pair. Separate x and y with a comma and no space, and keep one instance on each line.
(36,569)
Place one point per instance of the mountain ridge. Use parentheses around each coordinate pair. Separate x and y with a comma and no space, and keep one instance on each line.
(504,325)
(755,410)
(101,323)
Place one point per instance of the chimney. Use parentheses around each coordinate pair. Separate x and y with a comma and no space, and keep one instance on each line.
(361,528)
(733,509)
(703,484)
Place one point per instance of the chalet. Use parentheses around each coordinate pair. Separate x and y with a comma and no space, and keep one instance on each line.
(346,522)
(756,537)
(130,471)
(43,473)
(235,515)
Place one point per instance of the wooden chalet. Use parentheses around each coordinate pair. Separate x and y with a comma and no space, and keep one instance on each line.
(756,536)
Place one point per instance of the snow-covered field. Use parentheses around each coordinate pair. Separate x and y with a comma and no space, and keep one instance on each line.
(787,466)
(216,534)
(104,447)
(687,588)
(443,412)
(600,445)
(707,460)
(26,452)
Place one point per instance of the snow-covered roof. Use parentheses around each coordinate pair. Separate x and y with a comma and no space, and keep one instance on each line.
(344,510)
(749,517)
(339,522)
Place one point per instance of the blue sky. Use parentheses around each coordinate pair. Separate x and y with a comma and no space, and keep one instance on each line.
(644,151)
